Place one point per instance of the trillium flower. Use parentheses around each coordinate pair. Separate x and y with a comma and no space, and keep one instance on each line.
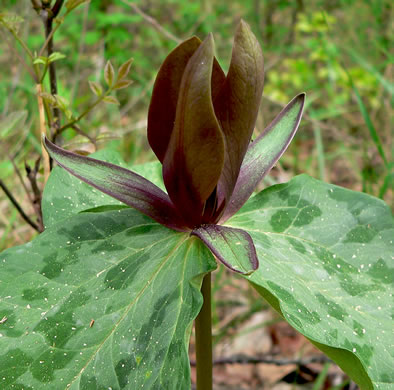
(200,124)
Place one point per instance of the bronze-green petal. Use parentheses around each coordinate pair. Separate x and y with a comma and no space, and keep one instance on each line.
(238,104)
(194,158)
(264,152)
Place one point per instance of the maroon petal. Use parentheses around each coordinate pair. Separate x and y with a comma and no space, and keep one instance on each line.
(238,104)
(121,184)
(165,94)
(194,158)
(162,109)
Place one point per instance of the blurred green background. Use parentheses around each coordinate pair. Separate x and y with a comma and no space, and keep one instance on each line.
(338,51)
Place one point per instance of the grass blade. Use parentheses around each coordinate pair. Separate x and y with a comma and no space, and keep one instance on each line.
(319,382)
(368,122)
(320,152)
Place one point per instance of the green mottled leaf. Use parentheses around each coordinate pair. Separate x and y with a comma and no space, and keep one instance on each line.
(233,247)
(326,263)
(137,280)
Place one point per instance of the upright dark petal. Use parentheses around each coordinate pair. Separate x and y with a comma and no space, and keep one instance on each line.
(162,108)
(165,94)
(194,158)
(238,104)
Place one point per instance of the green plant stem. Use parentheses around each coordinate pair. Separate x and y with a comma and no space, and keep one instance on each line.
(203,327)
(44,72)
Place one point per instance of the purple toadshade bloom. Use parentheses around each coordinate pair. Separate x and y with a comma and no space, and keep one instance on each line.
(200,124)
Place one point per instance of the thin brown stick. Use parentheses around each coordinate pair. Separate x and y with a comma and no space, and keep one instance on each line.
(16,169)
(43,132)
(36,202)
(152,21)
(243,359)
(45,45)
(81,132)
(51,16)
(17,206)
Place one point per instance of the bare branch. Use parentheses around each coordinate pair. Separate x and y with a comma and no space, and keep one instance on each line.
(43,132)
(17,206)
(32,176)
(243,359)
(16,169)
(57,7)
(81,132)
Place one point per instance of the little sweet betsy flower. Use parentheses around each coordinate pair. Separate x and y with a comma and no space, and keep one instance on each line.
(200,125)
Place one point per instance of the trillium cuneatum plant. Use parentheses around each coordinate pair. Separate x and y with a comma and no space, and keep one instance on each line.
(106,297)
(200,125)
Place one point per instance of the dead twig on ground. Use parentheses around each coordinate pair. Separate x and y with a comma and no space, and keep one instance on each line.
(244,359)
